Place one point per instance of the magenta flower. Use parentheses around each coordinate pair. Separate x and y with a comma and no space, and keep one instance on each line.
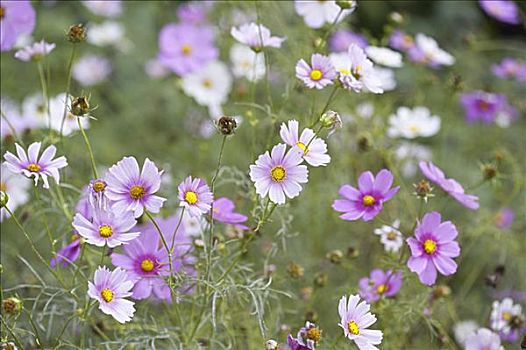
(380,284)
(110,288)
(401,41)
(35,52)
(319,74)
(17,17)
(355,321)
(294,344)
(306,339)
(433,248)
(256,36)
(224,212)
(310,147)
(504,218)
(31,164)
(195,196)
(185,48)
(279,175)
(450,186)
(67,254)
(484,106)
(502,10)
(366,201)
(106,228)
(343,38)
(483,339)
(132,190)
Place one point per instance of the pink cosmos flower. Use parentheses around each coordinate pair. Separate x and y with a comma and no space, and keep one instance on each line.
(504,218)
(224,212)
(355,321)
(35,51)
(450,186)
(366,201)
(380,284)
(31,164)
(343,38)
(310,147)
(256,36)
(319,74)
(278,174)
(433,248)
(195,196)
(18,17)
(505,11)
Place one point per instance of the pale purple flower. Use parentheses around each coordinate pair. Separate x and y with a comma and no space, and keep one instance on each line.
(110,288)
(399,40)
(504,218)
(294,344)
(483,339)
(31,164)
(194,11)
(450,186)
(256,36)
(367,201)
(91,70)
(67,254)
(195,196)
(105,8)
(97,193)
(155,69)
(307,338)
(432,248)
(278,174)
(35,52)
(343,38)
(380,284)
(502,10)
(185,48)
(510,68)
(355,321)
(506,318)
(133,190)
(317,13)
(319,74)
(17,17)
(106,227)
(310,147)
(223,211)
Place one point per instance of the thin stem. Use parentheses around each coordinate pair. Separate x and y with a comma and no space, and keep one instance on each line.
(333,93)
(333,24)
(46,225)
(13,130)
(44,92)
(15,338)
(37,334)
(68,85)
(177,229)
(90,151)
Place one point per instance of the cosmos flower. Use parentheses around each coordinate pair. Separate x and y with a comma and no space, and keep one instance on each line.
(110,9)
(390,236)
(91,70)
(356,71)
(256,36)
(412,123)
(483,339)
(278,174)
(505,11)
(384,56)
(97,193)
(341,39)
(510,68)
(18,17)
(110,288)
(132,190)
(247,63)
(450,186)
(367,201)
(210,85)
(195,196)
(307,338)
(427,51)
(401,41)
(319,74)
(35,52)
(313,149)
(355,321)
(16,187)
(186,48)
(380,284)
(432,248)
(483,106)
(67,254)
(504,317)
(463,329)
(106,227)
(109,33)
(33,165)
(317,13)
(224,212)
(194,11)
(504,218)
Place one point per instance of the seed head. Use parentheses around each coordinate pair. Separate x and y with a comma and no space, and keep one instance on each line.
(76,33)
(12,305)
(226,125)
(80,106)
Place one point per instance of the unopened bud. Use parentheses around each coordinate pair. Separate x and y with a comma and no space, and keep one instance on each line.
(346,4)
(331,120)
(423,190)
(4,198)
(226,125)
(353,252)
(76,33)
(80,106)
(311,316)
(12,305)
(321,279)
(441,292)
(335,256)
(306,293)
(489,171)
(295,270)
(396,17)
(364,143)
(271,344)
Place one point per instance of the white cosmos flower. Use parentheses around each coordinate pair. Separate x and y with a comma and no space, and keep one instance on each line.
(209,86)
(246,63)
(432,52)
(16,187)
(384,56)
(386,77)
(463,329)
(501,314)
(411,123)
(390,236)
(109,33)
(91,69)
(34,107)
(317,13)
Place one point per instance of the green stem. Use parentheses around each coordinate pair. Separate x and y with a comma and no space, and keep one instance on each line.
(333,24)
(37,334)
(90,151)
(13,130)
(177,229)
(44,91)
(68,85)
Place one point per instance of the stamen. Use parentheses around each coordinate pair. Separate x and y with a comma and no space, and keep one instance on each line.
(316,74)
(381,289)
(430,246)
(99,186)
(147,265)
(105,231)
(368,200)
(107,295)
(353,328)
(35,168)
(190,197)
(314,334)
(278,173)
(136,192)
(186,49)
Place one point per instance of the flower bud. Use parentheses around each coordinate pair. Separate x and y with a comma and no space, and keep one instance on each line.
(311,316)
(364,142)
(76,33)
(335,256)
(353,252)
(8,346)
(346,4)
(523,342)
(226,125)
(271,344)
(331,120)
(295,270)
(441,291)
(4,198)
(396,17)
(80,106)
(321,279)
(12,306)
(489,171)
(423,190)
(306,293)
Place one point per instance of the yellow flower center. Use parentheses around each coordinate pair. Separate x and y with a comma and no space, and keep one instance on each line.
(303,147)
(136,192)
(105,231)
(2,12)
(207,83)
(344,71)
(413,128)
(107,295)
(190,197)
(314,334)
(506,315)
(408,40)
(34,167)
(147,265)
(3,187)
(186,49)
(353,328)
(316,74)
(357,71)
(368,200)
(430,246)
(391,235)
(381,289)
(99,186)
(278,173)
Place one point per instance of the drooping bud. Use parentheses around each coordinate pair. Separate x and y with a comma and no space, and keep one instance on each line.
(226,125)
(4,198)
(80,106)
(12,306)
(76,33)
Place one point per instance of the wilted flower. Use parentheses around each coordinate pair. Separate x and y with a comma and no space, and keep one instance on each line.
(409,124)
(355,321)
(319,74)
(110,288)
(91,69)
(247,63)
(483,339)
(278,174)
(80,106)
(310,147)
(195,196)
(390,236)
(35,52)
(317,13)
(502,10)
(33,165)
(380,284)
(256,36)
(307,337)
(367,201)
(432,248)
(18,17)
